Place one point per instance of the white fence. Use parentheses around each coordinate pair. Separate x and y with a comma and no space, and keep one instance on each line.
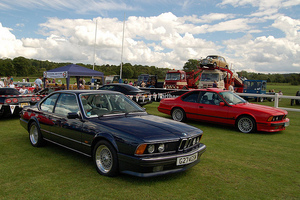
(276,98)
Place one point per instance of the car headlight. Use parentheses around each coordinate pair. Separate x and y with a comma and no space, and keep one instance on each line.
(161,148)
(151,148)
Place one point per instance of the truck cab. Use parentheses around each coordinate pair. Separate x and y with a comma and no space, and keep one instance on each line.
(209,76)
(175,79)
(255,87)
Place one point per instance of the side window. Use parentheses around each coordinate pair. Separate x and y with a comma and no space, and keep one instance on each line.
(191,97)
(210,98)
(66,103)
(48,104)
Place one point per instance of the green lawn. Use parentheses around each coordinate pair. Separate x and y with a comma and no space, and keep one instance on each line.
(235,166)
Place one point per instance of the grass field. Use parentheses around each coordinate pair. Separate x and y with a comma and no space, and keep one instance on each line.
(235,166)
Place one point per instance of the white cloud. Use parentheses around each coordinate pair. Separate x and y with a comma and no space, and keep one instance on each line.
(78,6)
(164,40)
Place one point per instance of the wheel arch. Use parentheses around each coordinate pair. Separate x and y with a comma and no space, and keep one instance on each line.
(245,115)
(31,120)
(104,136)
(177,106)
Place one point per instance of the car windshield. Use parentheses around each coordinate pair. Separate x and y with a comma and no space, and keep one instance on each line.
(172,76)
(210,77)
(232,98)
(211,57)
(97,105)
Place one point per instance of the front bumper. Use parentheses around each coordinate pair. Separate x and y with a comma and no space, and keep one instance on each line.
(273,126)
(155,166)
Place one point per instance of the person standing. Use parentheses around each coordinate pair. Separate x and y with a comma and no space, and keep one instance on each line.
(1,83)
(215,84)
(38,82)
(231,88)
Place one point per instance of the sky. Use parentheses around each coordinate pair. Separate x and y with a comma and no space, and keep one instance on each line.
(260,36)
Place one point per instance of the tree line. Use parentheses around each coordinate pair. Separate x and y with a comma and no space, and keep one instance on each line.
(24,67)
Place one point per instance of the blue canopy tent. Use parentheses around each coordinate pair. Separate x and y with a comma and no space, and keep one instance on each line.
(71,70)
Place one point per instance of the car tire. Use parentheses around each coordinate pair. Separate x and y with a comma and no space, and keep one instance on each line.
(261,99)
(105,159)
(178,114)
(35,135)
(246,124)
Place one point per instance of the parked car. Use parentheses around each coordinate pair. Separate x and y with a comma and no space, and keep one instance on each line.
(116,132)
(224,107)
(213,61)
(137,95)
(28,86)
(12,101)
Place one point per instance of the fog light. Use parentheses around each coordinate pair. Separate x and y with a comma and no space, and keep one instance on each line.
(158,168)
(151,148)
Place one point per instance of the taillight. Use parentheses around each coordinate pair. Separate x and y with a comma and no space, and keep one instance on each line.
(38,98)
(15,100)
(33,99)
(8,101)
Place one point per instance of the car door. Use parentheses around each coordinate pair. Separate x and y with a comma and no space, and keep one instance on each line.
(209,108)
(67,131)
(190,104)
(44,115)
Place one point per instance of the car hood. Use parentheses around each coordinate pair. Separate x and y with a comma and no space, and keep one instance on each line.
(149,127)
(261,108)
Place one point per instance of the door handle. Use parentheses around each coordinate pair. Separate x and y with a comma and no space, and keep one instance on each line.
(200,106)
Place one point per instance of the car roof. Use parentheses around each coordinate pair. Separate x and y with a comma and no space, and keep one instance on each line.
(87,91)
(210,89)
(129,87)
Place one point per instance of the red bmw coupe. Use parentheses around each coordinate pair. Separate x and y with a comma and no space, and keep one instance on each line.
(224,107)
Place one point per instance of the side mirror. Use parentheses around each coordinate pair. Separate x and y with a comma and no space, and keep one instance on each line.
(222,104)
(72,116)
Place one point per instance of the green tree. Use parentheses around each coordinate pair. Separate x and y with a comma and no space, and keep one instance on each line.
(7,67)
(127,71)
(21,65)
(191,65)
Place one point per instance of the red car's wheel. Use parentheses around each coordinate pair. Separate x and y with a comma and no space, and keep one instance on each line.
(178,114)
(246,124)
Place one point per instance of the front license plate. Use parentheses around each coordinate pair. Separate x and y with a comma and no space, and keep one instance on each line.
(24,104)
(187,159)
(286,124)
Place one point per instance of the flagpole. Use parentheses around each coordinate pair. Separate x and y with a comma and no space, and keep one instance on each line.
(122,48)
(95,46)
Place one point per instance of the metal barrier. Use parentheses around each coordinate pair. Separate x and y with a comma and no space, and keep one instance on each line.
(276,99)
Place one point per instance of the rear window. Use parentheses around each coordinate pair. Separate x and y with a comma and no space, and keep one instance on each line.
(9,91)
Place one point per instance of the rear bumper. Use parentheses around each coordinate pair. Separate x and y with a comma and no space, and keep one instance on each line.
(155,166)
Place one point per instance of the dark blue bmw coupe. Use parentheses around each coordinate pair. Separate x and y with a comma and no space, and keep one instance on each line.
(116,132)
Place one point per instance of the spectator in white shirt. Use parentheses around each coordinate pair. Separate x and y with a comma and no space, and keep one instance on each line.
(11,84)
(23,90)
(1,83)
